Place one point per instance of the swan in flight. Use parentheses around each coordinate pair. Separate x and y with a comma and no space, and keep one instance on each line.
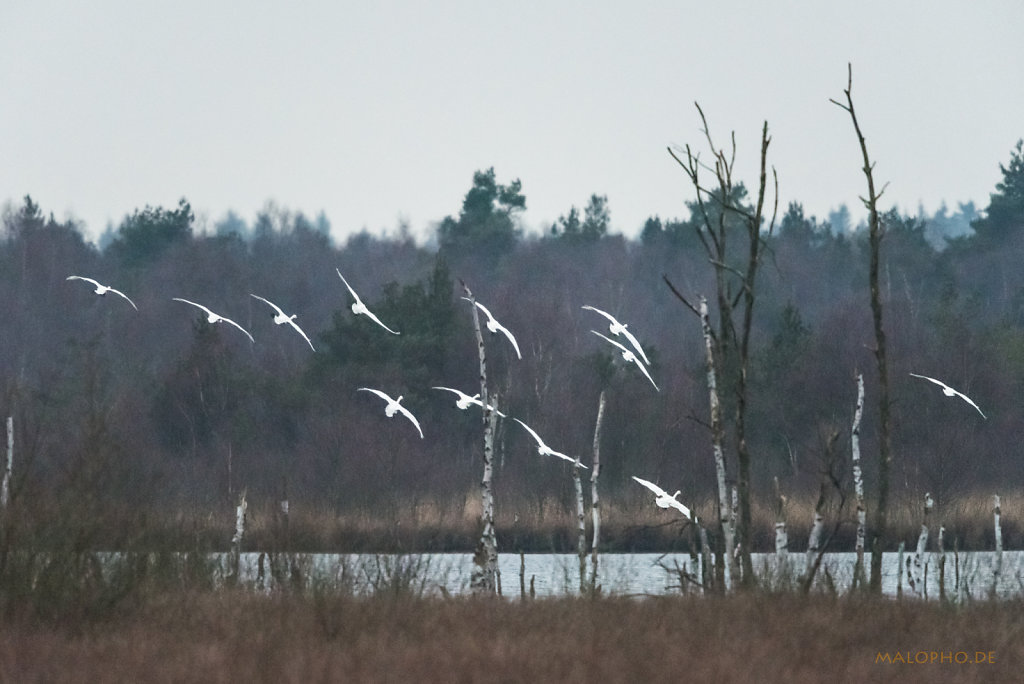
(544,450)
(359,308)
(629,356)
(103,289)
(215,318)
(950,392)
(494,326)
(663,499)
(280,318)
(616,328)
(394,405)
(464,401)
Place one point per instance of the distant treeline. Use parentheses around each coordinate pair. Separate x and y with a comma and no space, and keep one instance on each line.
(137,409)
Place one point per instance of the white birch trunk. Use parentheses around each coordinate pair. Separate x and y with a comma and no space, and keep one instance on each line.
(5,486)
(705,553)
(922,543)
(484,577)
(724,509)
(814,541)
(899,573)
(998,570)
(781,536)
(595,502)
(236,540)
(941,561)
(581,526)
(858,484)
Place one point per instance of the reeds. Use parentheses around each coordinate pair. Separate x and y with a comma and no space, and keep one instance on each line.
(237,636)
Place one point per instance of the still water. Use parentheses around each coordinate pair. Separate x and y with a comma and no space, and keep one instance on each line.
(971,574)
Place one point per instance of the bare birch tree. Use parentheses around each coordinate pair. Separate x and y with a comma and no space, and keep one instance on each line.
(581,525)
(722,213)
(858,484)
(484,578)
(922,543)
(781,536)
(997,571)
(236,540)
(595,502)
(725,519)
(5,485)
(875,234)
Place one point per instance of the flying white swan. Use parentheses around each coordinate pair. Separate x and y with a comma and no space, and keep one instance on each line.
(359,308)
(663,499)
(394,405)
(103,289)
(494,326)
(464,401)
(616,328)
(215,318)
(543,449)
(280,318)
(630,357)
(950,392)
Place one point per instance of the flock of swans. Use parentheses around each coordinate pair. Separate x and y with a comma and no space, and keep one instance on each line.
(634,355)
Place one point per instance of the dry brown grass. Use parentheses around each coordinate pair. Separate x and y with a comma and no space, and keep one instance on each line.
(237,636)
(532,526)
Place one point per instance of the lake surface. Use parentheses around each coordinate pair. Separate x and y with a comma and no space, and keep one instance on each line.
(970,574)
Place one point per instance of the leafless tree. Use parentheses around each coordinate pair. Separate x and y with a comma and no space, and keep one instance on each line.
(485,573)
(875,235)
(723,213)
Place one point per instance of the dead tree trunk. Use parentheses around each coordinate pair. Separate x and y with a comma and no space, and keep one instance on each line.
(717,433)
(724,215)
(484,578)
(595,503)
(814,539)
(875,234)
(997,571)
(922,543)
(858,484)
(581,525)
(5,486)
(236,540)
(781,537)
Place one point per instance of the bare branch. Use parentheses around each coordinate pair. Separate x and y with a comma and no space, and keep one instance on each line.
(679,295)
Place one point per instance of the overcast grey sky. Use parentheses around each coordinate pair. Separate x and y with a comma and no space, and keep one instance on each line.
(379,111)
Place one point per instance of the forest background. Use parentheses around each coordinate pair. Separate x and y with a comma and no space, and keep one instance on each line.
(152,422)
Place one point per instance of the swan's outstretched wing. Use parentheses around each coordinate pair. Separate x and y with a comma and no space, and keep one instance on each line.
(198,306)
(377,392)
(301,332)
(536,437)
(658,491)
(405,412)
(103,289)
(607,315)
(636,344)
(88,280)
(359,307)
(626,353)
(358,300)
(376,320)
(511,339)
(228,320)
(643,369)
(118,292)
(949,391)
(545,449)
(617,328)
(629,356)
(289,319)
(272,305)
